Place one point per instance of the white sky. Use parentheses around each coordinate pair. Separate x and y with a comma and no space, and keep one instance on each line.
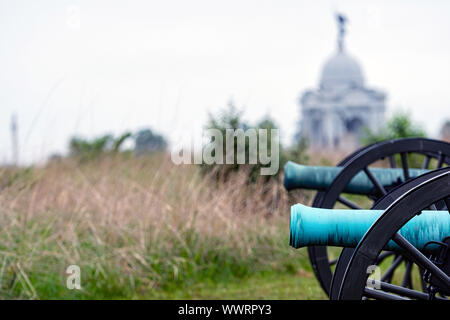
(130,64)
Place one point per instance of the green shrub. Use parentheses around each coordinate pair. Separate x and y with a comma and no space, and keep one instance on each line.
(399,126)
(231,118)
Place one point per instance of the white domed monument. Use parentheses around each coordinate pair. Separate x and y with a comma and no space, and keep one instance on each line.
(334,115)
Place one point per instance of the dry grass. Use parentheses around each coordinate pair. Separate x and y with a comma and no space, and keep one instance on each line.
(137,228)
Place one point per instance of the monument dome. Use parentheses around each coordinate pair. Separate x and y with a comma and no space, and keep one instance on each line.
(341,70)
(335,114)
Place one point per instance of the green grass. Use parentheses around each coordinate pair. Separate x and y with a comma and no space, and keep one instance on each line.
(243,279)
(263,285)
(269,285)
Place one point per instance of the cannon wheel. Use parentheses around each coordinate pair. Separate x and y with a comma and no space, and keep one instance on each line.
(422,196)
(360,161)
(381,204)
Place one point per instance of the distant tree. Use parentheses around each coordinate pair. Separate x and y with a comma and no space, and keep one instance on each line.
(227,118)
(88,149)
(147,141)
(85,149)
(231,118)
(399,126)
(268,124)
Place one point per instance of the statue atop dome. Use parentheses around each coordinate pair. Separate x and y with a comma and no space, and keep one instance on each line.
(341,70)
(341,20)
(335,115)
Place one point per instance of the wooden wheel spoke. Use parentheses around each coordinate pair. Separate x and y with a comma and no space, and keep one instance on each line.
(407,280)
(387,276)
(348,203)
(405,165)
(381,295)
(440,161)
(419,258)
(375,182)
(426,162)
(392,161)
(384,256)
(401,290)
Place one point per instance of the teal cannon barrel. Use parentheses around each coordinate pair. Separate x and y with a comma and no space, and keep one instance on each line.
(345,228)
(297,176)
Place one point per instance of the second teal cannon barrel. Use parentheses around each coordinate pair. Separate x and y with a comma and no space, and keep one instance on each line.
(297,176)
(345,228)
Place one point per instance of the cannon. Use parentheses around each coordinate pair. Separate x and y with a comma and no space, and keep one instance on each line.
(297,176)
(345,228)
(429,191)
(358,174)
(416,225)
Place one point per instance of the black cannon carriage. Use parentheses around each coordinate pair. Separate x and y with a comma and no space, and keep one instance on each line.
(383,187)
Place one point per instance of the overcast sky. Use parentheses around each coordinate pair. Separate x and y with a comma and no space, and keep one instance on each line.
(98,66)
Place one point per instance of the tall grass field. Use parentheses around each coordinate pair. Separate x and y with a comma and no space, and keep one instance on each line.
(144,228)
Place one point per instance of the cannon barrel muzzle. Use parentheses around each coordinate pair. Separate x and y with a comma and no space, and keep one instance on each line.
(297,176)
(345,228)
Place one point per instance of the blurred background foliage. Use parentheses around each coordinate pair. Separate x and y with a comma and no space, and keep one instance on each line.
(400,125)
(145,141)
(232,118)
